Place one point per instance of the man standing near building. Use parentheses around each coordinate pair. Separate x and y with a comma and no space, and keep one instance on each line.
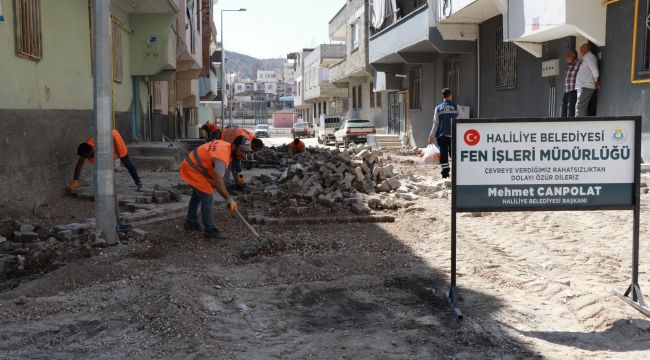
(587,80)
(440,135)
(570,92)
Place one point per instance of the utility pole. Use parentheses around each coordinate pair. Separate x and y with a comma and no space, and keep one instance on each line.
(103,174)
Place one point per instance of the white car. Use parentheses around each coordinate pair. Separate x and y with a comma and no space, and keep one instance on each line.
(354,131)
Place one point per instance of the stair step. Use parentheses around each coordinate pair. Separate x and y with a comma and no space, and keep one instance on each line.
(155,162)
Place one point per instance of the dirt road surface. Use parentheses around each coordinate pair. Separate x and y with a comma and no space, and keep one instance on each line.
(532,285)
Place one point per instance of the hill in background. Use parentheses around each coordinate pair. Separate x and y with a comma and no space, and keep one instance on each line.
(243,64)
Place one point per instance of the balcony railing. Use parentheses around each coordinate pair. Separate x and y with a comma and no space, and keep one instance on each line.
(392,16)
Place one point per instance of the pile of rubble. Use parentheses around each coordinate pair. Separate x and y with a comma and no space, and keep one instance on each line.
(27,249)
(357,178)
(272,157)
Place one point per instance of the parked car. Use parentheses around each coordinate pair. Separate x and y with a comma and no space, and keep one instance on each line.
(326,127)
(300,129)
(262,130)
(353,131)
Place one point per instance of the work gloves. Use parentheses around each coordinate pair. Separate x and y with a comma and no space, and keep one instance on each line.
(73,185)
(241,180)
(232,205)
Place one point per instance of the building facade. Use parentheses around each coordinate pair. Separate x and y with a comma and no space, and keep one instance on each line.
(351,27)
(52,83)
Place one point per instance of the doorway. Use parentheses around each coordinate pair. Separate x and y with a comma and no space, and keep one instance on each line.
(397,112)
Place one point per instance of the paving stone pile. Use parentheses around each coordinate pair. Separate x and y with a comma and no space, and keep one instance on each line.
(357,179)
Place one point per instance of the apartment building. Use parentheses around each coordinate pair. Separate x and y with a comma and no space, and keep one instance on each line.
(320,95)
(354,73)
(156,54)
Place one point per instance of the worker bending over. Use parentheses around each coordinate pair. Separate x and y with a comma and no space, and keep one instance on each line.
(213,131)
(296,147)
(229,135)
(86,151)
(204,170)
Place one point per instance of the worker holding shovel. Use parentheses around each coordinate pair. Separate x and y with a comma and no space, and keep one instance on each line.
(204,170)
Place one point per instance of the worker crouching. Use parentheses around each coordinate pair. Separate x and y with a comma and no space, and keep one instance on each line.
(204,170)
(296,147)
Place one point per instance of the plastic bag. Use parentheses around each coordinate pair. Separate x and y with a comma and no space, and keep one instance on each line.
(430,155)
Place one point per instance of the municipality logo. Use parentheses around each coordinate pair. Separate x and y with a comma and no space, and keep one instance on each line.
(618,135)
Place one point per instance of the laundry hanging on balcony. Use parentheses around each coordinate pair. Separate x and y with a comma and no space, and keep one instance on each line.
(383,10)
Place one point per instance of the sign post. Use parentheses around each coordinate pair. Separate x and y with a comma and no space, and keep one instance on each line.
(578,164)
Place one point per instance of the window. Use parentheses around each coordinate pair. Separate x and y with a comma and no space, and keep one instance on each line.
(360,96)
(452,75)
(506,62)
(646,44)
(354,33)
(354,97)
(372,95)
(27,29)
(415,88)
(378,99)
(116,46)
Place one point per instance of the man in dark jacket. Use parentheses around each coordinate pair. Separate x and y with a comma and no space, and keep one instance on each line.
(440,135)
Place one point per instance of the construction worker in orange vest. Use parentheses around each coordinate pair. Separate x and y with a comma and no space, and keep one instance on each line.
(204,170)
(86,151)
(213,131)
(229,135)
(296,147)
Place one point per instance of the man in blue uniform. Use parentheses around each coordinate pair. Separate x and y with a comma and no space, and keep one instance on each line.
(440,135)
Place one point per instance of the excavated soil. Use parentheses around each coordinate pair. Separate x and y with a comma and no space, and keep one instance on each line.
(532,285)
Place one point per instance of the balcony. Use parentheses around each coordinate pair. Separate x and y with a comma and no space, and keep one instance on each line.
(540,21)
(469,11)
(339,23)
(411,38)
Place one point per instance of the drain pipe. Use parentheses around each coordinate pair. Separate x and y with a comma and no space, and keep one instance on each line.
(134,107)
(478,72)
(103,174)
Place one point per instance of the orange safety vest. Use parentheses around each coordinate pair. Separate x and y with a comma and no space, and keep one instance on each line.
(197,169)
(233,133)
(301,147)
(211,128)
(119,147)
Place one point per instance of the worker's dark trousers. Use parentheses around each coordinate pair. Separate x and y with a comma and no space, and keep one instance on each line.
(444,142)
(569,103)
(126,161)
(206,201)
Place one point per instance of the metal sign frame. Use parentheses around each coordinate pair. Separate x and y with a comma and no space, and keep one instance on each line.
(632,295)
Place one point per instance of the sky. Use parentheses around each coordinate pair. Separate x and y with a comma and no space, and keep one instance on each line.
(274,28)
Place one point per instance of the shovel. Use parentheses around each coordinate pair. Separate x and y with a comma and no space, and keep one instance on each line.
(261,242)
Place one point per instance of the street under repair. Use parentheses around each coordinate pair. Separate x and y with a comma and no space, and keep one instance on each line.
(355,267)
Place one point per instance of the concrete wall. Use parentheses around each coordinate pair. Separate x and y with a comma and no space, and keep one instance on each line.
(38,150)
(530,96)
(62,80)
(52,99)
(618,96)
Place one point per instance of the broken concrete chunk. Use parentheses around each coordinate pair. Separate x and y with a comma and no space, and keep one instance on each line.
(137,234)
(325,200)
(26,228)
(384,186)
(360,208)
(25,237)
